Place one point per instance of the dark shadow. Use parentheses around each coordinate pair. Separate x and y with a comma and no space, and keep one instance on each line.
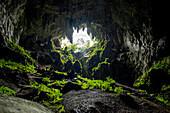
(129,101)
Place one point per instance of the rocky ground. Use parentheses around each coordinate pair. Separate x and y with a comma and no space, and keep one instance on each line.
(96,101)
(11,104)
(75,99)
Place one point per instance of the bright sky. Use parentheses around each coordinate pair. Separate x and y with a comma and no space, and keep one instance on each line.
(80,38)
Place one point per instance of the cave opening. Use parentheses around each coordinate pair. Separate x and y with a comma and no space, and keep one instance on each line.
(80,39)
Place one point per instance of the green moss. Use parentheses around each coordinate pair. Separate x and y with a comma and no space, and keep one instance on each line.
(99,65)
(145,79)
(119,90)
(6,90)
(46,79)
(58,83)
(103,48)
(53,46)
(162,99)
(17,66)
(99,84)
(61,73)
(95,49)
(21,50)
(53,94)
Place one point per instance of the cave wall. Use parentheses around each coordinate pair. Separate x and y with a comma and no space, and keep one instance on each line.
(12,20)
(137,29)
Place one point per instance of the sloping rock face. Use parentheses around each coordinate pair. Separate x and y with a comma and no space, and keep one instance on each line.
(9,104)
(136,29)
(96,101)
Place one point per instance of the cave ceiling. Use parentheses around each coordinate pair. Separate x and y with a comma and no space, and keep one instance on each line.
(55,19)
(38,21)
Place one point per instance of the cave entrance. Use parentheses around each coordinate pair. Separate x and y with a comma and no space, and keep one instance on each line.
(80,39)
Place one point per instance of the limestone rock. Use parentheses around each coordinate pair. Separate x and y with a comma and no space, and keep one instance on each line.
(9,104)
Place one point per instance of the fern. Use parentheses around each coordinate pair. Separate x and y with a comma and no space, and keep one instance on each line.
(6,90)
(17,66)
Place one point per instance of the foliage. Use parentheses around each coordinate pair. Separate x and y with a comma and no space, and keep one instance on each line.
(145,79)
(53,45)
(46,79)
(17,66)
(107,85)
(65,55)
(6,90)
(162,99)
(99,84)
(99,65)
(103,48)
(119,90)
(95,54)
(72,48)
(20,49)
(58,83)
(61,73)
(54,95)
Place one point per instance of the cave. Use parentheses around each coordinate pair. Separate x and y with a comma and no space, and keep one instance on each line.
(53,49)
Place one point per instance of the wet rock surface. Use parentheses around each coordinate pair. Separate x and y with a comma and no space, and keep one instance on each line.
(9,104)
(96,101)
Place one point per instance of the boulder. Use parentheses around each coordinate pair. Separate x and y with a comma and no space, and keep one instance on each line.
(10,104)
(77,67)
(68,66)
(45,59)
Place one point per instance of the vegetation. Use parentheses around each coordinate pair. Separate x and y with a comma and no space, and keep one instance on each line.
(21,50)
(17,66)
(99,65)
(98,84)
(6,90)
(145,81)
(53,95)
(145,78)
(61,73)
(95,49)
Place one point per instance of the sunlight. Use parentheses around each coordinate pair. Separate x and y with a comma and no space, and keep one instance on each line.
(80,38)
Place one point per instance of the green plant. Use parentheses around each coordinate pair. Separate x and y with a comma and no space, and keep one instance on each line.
(99,65)
(6,90)
(17,66)
(161,99)
(99,84)
(53,94)
(119,90)
(61,73)
(58,83)
(145,82)
(46,79)
(145,79)
(20,49)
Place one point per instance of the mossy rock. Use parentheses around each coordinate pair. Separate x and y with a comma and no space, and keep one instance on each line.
(10,54)
(157,76)
(68,66)
(77,67)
